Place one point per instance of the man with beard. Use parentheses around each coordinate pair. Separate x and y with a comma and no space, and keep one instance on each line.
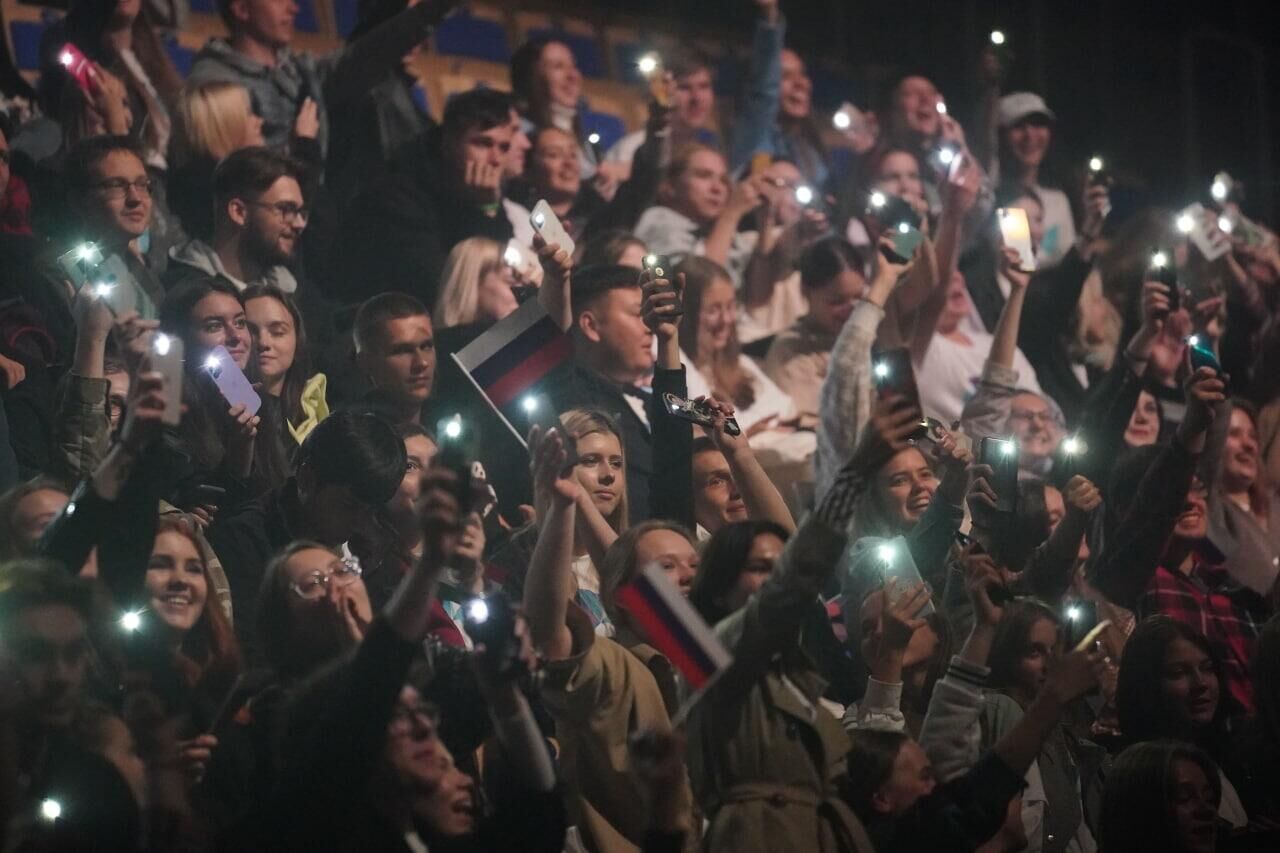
(259,216)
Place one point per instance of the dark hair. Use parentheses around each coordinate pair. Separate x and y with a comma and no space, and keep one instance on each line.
(530,100)
(203,430)
(872,754)
(1009,645)
(1266,682)
(826,259)
(250,172)
(1137,800)
(606,247)
(729,379)
(686,60)
(84,156)
(1145,711)
(25,584)
(409,429)
(1127,475)
(273,622)
(590,283)
(478,108)
(9,548)
(723,559)
(375,311)
(1019,535)
(355,449)
(295,378)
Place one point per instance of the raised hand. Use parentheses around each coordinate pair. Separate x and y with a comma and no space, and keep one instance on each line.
(11,373)
(1204,389)
(439,515)
(893,420)
(307,123)
(1010,266)
(899,617)
(663,306)
(980,576)
(1081,495)
(552,481)
(1074,674)
(145,411)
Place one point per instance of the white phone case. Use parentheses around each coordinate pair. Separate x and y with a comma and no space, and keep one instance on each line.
(1015,231)
(1202,232)
(545,222)
(231,381)
(166,358)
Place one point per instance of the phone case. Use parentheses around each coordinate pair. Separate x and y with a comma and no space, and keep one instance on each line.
(76,64)
(903,567)
(545,222)
(544,416)
(689,411)
(1201,236)
(1004,472)
(905,242)
(1015,231)
(81,264)
(169,364)
(231,381)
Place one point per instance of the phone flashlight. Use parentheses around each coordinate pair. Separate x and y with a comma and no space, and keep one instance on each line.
(1159,260)
(212,363)
(941,106)
(1074,446)
(50,809)
(1193,340)
(131,620)
(453,427)
(1185,223)
(161,344)
(478,611)
(1008,448)
(1096,164)
(86,252)
(946,154)
(886,553)
(529,404)
(594,138)
(1221,186)
(841,120)
(511,256)
(1225,225)
(102,289)
(997,37)
(648,64)
(66,58)
(804,194)
(903,228)
(539,220)
(1073,613)
(881,370)
(878,199)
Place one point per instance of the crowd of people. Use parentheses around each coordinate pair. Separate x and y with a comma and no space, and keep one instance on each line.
(980,492)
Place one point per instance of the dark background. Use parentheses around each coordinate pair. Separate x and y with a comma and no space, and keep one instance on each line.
(1168,92)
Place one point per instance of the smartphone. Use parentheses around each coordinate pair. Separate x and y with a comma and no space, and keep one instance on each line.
(1015,231)
(1092,637)
(545,222)
(1098,173)
(899,218)
(491,622)
(77,65)
(896,562)
(1194,221)
(231,381)
(851,120)
(544,416)
(891,373)
(82,264)
(1001,455)
(166,358)
(201,494)
(760,163)
(697,413)
(1202,356)
(451,456)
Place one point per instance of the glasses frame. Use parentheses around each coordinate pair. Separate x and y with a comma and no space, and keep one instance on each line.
(346,575)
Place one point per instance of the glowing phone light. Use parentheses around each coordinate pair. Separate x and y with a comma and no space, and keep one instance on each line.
(50,809)
(594,138)
(878,199)
(1218,189)
(1159,259)
(946,155)
(66,58)
(529,404)
(85,252)
(1225,225)
(886,553)
(478,611)
(1194,340)
(212,363)
(841,120)
(648,64)
(131,620)
(1008,448)
(804,194)
(162,344)
(903,228)
(1072,445)
(453,428)
(511,256)
(997,37)
(941,107)
(1185,223)
(1073,613)
(881,369)
(1095,164)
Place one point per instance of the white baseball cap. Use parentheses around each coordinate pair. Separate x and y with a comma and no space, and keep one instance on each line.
(1016,106)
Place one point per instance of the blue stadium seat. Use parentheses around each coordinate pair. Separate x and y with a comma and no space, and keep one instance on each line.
(182,57)
(610,127)
(345,14)
(26,44)
(730,76)
(830,89)
(306,20)
(585,50)
(480,38)
(209,7)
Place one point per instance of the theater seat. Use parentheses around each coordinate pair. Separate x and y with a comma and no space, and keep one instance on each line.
(468,34)
(182,57)
(306,21)
(610,127)
(345,16)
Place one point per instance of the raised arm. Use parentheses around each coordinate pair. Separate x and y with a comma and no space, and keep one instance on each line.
(1050,569)
(743,198)
(760,113)
(764,502)
(554,294)
(1006,332)
(549,586)
(671,484)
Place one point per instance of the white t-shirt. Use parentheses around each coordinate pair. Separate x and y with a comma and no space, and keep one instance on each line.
(950,372)
(1059,226)
(624,150)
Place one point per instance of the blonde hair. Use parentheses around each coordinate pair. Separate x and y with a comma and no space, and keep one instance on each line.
(580,423)
(213,119)
(467,265)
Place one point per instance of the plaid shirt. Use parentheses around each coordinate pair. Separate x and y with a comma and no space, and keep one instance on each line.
(1208,600)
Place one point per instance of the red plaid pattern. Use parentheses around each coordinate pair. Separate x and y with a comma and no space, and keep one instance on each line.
(1213,604)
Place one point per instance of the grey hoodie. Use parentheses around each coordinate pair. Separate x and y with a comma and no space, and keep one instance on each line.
(200,256)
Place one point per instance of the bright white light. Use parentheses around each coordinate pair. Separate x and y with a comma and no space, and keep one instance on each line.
(1159,259)
(886,553)
(102,291)
(881,369)
(903,228)
(212,363)
(594,138)
(66,58)
(477,610)
(453,428)
(1008,448)
(1194,341)
(1095,164)
(85,252)
(878,199)
(946,155)
(1218,190)
(841,120)
(650,260)
(997,37)
(1073,613)
(50,809)
(131,620)
(942,107)
(511,257)
(70,509)
(529,403)
(539,220)
(1071,446)
(648,64)
(1225,225)
(1185,223)
(804,194)
(162,343)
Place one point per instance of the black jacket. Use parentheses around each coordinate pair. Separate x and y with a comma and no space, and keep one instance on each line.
(397,232)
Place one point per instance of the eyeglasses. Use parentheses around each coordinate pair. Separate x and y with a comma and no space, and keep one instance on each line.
(343,573)
(115,188)
(1046,416)
(403,718)
(288,211)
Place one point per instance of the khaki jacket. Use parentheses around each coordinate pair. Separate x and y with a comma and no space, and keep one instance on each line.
(600,696)
(764,755)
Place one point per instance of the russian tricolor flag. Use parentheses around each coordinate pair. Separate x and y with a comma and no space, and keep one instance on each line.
(673,627)
(514,354)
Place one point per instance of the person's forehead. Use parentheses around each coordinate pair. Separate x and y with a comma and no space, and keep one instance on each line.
(119,164)
(1030,401)
(664,543)
(556,52)
(910,459)
(309,560)
(766,545)
(218,304)
(710,461)
(400,329)
(707,159)
(175,544)
(623,298)
(898,162)
(285,188)
(553,138)
(42,500)
(267,309)
(783,170)
(917,85)
(599,442)
(791,61)
(59,623)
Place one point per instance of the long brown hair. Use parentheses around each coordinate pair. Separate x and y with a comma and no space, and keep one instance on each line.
(620,565)
(210,647)
(1260,490)
(580,423)
(729,380)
